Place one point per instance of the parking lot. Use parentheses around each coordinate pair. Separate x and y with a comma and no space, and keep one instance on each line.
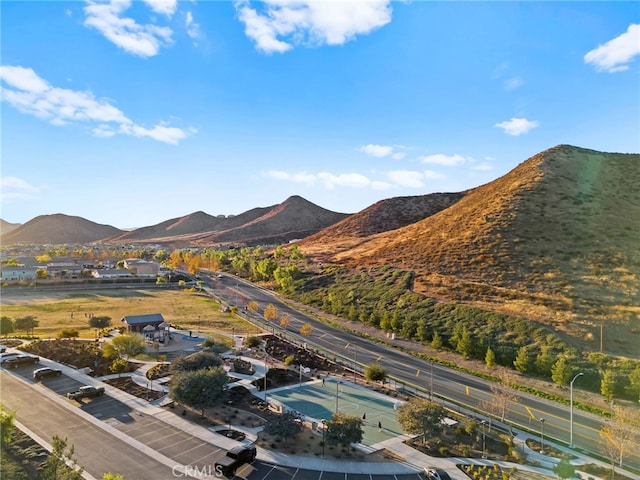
(187,451)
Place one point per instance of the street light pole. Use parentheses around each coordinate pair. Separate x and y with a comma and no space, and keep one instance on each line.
(337,395)
(571,409)
(541,435)
(484,455)
(324,428)
(266,369)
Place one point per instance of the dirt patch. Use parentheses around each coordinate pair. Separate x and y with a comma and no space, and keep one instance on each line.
(76,353)
(127,385)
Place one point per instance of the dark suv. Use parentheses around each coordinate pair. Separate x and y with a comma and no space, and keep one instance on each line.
(21,360)
(46,372)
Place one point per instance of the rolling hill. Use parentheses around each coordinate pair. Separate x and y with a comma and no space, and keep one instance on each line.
(57,229)
(292,219)
(555,239)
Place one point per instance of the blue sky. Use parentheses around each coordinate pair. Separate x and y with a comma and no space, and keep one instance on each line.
(129,113)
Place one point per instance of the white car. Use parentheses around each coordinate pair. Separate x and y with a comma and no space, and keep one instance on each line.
(433,474)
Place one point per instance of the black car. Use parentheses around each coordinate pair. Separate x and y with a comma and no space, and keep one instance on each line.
(21,360)
(46,372)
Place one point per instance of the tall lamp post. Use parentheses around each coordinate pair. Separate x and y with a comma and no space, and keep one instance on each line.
(541,435)
(337,394)
(324,428)
(484,455)
(571,409)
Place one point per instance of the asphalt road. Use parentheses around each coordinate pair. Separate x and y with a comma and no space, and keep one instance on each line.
(96,449)
(548,419)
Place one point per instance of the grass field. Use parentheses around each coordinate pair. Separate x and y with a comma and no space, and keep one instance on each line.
(55,311)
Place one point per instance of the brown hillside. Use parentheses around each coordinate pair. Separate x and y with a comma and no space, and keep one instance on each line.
(385,215)
(58,228)
(6,227)
(293,219)
(554,239)
(183,227)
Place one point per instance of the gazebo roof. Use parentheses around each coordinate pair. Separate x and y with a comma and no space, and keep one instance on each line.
(147,319)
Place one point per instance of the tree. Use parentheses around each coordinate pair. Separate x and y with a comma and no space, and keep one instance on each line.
(284,426)
(503,396)
(634,383)
(436,341)
(119,366)
(375,373)
(60,464)
(343,429)
(561,372)
(101,321)
(465,344)
(6,326)
(199,389)
(490,358)
(421,417)
(26,323)
(609,383)
(253,306)
(306,329)
(125,345)
(522,363)
(7,420)
(618,435)
(285,320)
(564,469)
(196,361)
(253,342)
(270,312)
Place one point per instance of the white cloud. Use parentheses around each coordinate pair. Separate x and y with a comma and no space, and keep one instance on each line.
(328,180)
(165,7)
(483,167)
(517,126)
(513,83)
(14,188)
(397,152)
(284,24)
(193,29)
(616,53)
(445,160)
(142,40)
(406,178)
(60,106)
(433,175)
(378,151)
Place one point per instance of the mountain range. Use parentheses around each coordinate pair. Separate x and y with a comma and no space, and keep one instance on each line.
(555,239)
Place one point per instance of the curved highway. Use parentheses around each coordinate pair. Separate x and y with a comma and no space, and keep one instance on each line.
(548,419)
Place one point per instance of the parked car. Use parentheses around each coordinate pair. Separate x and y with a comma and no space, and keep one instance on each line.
(6,356)
(46,372)
(86,391)
(433,474)
(3,348)
(20,360)
(235,458)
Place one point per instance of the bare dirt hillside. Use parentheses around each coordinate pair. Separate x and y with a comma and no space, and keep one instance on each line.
(6,227)
(58,228)
(554,239)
